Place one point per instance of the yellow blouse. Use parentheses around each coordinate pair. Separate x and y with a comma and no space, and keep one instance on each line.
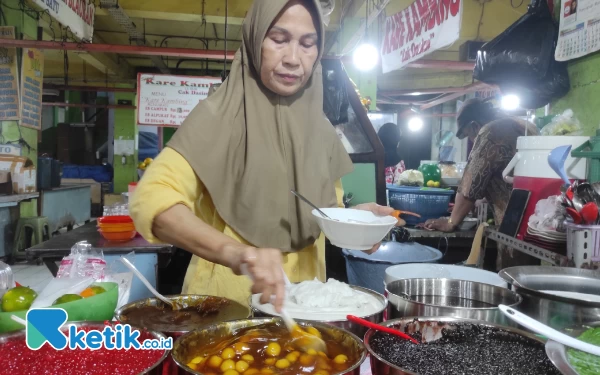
(170,180)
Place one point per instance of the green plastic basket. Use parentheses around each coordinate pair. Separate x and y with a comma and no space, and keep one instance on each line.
(97,308)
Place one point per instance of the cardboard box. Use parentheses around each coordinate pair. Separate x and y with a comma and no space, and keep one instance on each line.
(22,172)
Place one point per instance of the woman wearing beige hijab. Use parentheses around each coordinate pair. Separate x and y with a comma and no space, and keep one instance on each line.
(221,189)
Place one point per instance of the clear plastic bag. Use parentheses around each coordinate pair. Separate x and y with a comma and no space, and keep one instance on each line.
(83,261)
(563,124)
(549,215)
(410,177)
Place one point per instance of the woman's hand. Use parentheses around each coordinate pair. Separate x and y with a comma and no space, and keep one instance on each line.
(265,268)
(379,211)
(442,225)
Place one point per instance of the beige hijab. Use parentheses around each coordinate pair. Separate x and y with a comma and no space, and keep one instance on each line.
(250,146)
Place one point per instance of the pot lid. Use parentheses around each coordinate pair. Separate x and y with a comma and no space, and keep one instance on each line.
(397,253)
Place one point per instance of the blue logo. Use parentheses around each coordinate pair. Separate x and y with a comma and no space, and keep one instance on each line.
(46,326)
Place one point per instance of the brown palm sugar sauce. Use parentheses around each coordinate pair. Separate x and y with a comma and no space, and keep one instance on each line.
(163,318)
(271,351)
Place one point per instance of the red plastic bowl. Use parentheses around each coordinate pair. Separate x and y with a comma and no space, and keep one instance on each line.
(115,220)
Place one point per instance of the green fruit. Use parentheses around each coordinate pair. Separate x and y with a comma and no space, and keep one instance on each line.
(18,299)
(67,298)
(431,172)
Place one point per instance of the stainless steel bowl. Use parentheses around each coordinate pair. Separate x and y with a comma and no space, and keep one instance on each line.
(355,328)
(557,353)
(449,297)
(156,369)
(234,311)
(558,312)
(430,328)
(186,347)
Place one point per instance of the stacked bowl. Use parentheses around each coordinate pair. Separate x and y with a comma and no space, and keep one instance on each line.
(117,228)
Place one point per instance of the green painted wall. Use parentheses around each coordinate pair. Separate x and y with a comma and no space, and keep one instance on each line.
(25,25)
(361,183)
(167,134)
(126,129)
(585,92)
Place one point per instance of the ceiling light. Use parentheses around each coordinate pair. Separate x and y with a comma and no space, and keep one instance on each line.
(366,57)
(510,102)
(415,124)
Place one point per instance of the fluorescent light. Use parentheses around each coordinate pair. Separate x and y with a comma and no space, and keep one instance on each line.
(510,102)
(366,57)
(415,124)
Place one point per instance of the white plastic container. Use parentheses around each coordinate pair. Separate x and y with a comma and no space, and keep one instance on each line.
(531,159)
(532,172)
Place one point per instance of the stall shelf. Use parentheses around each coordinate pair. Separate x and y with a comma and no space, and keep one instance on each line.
(524,247)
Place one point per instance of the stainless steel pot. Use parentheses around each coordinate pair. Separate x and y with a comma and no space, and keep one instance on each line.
(449,297)
(187,345)
(557,353)
(356,329)
(156,369)
(556,311)
(234,311)
(431,328)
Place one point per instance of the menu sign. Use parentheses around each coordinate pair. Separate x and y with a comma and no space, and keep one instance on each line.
(166,100)
(423,27)
(9,84)
(32,76)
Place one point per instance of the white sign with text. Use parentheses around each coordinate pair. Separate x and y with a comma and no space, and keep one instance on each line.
(166,100)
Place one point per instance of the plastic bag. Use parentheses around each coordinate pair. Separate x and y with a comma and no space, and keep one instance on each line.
(82,262)
(549,215)
(335,98)
(85,266)
(521,59)
(563,124)
(58,287)
(410,177)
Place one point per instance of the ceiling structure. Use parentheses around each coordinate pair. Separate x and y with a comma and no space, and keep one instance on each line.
(201,25)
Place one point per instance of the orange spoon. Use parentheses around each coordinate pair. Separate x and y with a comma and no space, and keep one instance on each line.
(397,214)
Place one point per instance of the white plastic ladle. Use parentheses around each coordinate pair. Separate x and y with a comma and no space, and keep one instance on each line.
(23,322)
(136,272)
(548,332)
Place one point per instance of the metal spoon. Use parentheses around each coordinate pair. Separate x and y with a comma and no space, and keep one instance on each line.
(310,204)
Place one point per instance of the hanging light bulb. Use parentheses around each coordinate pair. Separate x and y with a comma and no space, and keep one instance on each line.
(366,55)
(415,124)
(510,102)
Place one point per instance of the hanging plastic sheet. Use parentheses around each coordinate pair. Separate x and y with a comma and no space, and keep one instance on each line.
(521,59)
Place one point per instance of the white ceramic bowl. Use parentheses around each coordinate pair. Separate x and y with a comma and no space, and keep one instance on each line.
(362,234)
(442,271)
